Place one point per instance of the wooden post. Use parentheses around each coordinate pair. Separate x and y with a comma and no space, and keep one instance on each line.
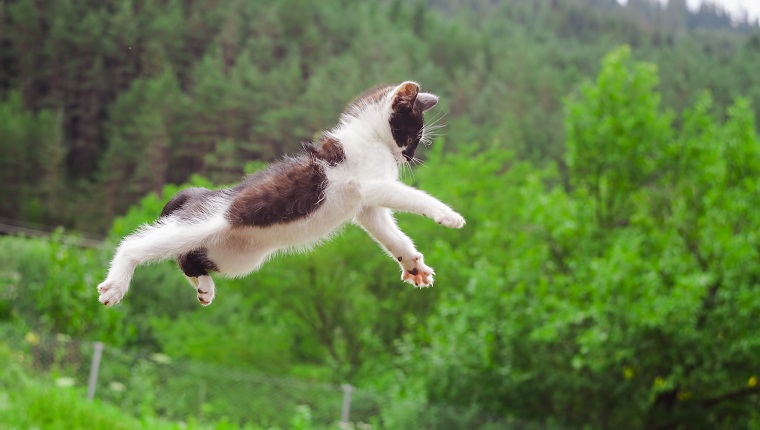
(94,368)
(346,409)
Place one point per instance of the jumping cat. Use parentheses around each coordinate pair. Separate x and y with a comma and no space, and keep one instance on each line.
(351,174)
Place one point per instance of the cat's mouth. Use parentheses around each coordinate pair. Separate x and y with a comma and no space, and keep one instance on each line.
(408,155)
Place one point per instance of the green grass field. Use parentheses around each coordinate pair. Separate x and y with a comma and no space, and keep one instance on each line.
(27,402)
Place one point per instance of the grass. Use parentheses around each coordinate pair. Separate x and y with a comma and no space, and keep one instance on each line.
(27,402)
(35,402)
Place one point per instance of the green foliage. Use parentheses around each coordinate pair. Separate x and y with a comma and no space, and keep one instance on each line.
(106,102)
(619,293)
(28,402)
(31,165)
(47,285)
(228,327)
(607,276)
(572,319)
(615,133)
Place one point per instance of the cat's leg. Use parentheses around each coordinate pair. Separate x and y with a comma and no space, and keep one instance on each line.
(166,239)
(399,197)
(379,223)
(205,287)
(196,266)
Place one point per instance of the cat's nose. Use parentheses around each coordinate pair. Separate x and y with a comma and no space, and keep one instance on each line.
(406,155)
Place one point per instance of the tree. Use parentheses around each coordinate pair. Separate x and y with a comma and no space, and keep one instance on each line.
(140,136)
(31,167)
(615,134)
(645,322)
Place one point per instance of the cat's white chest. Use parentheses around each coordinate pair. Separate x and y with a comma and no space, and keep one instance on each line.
(375,163)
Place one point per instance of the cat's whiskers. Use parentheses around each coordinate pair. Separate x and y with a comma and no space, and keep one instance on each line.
(417,161)
(429,136)
(429,130)
(437,118)
(407,167)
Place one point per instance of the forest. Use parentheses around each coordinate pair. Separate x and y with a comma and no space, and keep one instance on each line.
(606,157)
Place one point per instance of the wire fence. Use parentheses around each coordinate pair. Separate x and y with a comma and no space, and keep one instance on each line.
(181,390)
(21,228)
(152,384)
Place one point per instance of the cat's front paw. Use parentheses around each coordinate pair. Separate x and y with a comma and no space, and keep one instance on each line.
(111,292)
(416,272)
(449,218)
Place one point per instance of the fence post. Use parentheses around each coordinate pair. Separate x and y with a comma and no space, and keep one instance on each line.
(95,367)
(346,409)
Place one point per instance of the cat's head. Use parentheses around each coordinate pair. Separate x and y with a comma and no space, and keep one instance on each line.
(401,111)
(406,120)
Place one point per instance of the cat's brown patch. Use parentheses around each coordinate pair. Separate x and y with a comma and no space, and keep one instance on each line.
(329,150)
(287,191)
(175,203)
(183,201)
(405,96)
(190,203)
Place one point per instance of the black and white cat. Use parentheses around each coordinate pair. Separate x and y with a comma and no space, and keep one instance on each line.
(350,175)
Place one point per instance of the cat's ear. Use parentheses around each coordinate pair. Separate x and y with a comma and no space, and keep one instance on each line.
(426,101)
(405,95)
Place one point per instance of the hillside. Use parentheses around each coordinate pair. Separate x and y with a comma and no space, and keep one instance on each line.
(105,101)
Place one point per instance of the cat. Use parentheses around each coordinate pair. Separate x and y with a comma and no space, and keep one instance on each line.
(350,174)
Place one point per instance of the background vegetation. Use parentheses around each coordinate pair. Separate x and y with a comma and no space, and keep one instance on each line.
(606,158)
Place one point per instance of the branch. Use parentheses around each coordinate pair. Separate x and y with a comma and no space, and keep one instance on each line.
(693,247)
(559,256)
(709,300)
(731,395)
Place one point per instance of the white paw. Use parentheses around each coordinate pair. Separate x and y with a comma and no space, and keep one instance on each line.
(417,273)
(206,290)
(111,292)
(449,219)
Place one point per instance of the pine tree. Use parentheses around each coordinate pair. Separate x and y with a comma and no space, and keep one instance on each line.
(139,137)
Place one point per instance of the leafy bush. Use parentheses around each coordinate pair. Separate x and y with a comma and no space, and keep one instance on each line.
(626,300)
(49,284)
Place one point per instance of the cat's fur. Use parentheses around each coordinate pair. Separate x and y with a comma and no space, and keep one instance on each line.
(350,175)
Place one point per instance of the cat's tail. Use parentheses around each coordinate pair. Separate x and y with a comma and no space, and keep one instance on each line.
(167,238)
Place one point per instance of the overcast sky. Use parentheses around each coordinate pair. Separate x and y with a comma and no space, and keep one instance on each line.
(733,6)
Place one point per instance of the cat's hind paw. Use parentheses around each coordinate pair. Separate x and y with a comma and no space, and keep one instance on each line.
(206,290)
(111,292)
(419,275)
